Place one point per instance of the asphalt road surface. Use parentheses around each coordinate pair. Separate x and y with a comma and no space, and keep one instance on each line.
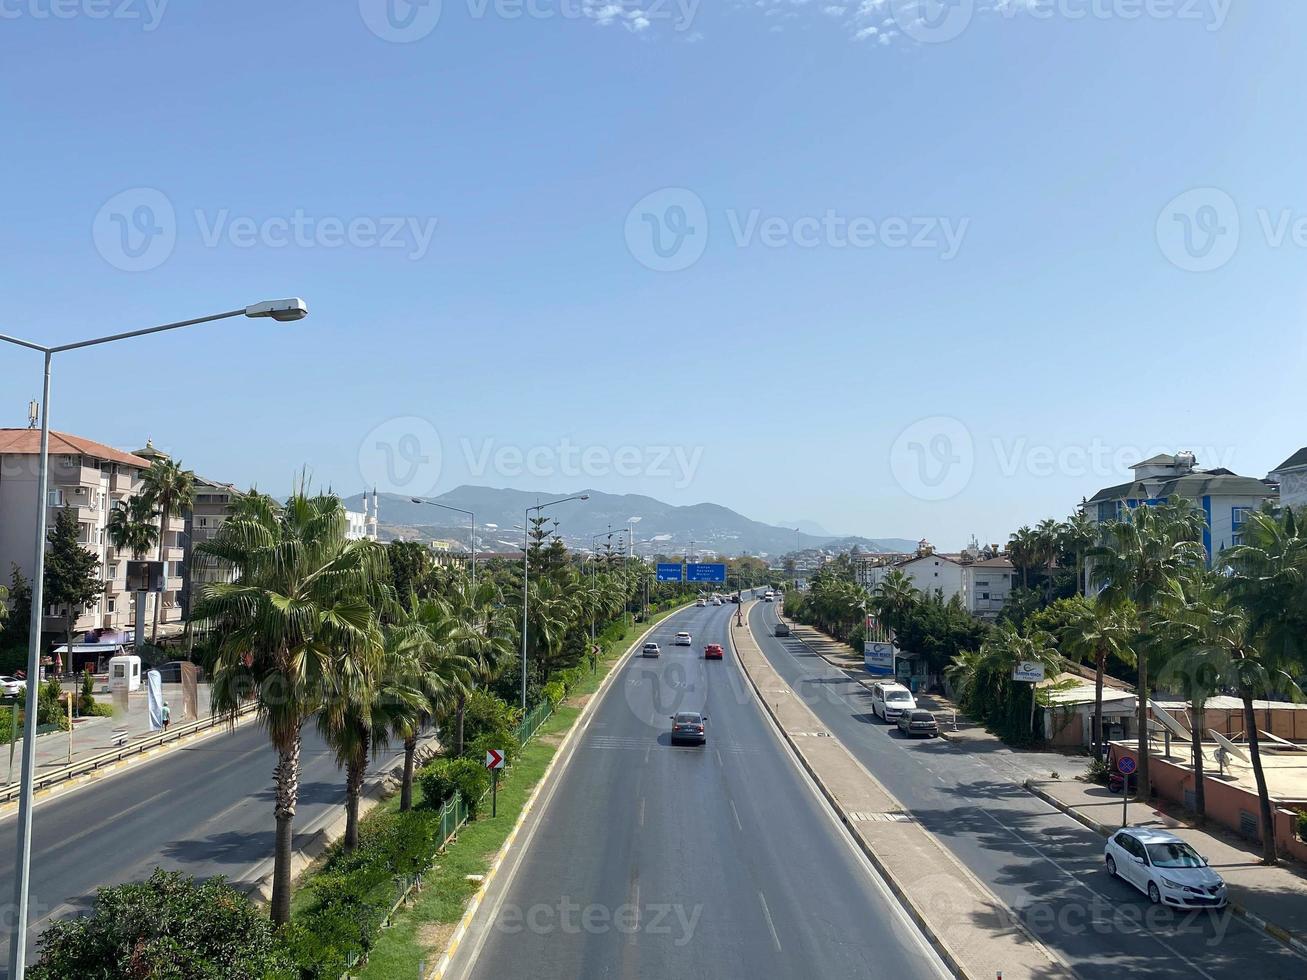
(1047,867)
(205,809)
(654,860)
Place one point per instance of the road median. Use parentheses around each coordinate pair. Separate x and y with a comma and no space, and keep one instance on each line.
(974,933)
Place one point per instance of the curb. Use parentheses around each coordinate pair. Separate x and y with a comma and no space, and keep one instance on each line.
(1278,933)
(936,942)
(465,923)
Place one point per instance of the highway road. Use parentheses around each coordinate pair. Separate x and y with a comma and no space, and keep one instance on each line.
(720,861)
(205,809)
(1047,867)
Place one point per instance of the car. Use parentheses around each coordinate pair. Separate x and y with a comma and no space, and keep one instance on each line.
(735,598)
(700,604)
(10,687)
(1163,867)
(780,629)
(683,639)
(716,600)
(918,722)
(689,726)
(712,651)
(889,700)
(768,597)
(651,650)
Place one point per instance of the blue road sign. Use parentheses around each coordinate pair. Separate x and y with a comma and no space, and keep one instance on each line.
(1125,765)
(705,573)
(669,571)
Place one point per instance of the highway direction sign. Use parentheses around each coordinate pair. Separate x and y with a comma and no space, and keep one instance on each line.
(669,572)
(711,572)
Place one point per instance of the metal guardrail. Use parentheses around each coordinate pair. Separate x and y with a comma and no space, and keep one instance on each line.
(86,766)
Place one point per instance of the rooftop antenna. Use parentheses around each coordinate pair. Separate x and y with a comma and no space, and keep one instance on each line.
(33,413)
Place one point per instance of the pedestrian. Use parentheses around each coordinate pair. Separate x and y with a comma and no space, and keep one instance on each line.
(167,716)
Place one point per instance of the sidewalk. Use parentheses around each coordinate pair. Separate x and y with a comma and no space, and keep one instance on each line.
(966,922)
(1273,899)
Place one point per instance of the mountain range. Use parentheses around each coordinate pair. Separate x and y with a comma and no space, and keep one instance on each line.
(671,528)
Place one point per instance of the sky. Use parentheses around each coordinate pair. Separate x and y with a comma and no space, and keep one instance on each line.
(903,268)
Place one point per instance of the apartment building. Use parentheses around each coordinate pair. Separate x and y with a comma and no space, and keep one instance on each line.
(1291,475)
(1225,497)
(986,582)
(212,506)
(91,479)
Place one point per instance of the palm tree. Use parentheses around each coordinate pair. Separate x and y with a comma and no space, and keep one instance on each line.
(894,599)
(297,619)
(552,613)
(1023,550)
(171,491)
(1048,548)
(483,639)
(1100,631)
(1008,646)
(1140,557)
(1079,534)
(133,526)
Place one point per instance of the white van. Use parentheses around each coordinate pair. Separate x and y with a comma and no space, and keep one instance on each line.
(890,699)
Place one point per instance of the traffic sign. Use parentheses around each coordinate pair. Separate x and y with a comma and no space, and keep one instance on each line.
(1125,765)
(710,572)
(669,572)
(494,758)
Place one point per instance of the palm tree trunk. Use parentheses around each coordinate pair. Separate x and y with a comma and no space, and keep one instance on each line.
(287,775)
(1196,715)
(1144,790)
(406,787)
(1100,664)
(354,773)
(460,711)
(158,596)
(1263,796)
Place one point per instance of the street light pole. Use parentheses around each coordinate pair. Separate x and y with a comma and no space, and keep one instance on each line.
(472,533)
(526,573)
(281,310)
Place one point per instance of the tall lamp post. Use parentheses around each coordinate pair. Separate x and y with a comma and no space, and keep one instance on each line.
(284,311)
(472,532)
(593,572)
(526,573)
(631,522)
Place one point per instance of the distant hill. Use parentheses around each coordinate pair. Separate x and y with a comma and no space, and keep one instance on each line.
(711,527)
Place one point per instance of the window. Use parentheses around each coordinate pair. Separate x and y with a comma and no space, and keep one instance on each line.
(984,595)
(55,498)
(982,583)
(1239,516)
(112,604)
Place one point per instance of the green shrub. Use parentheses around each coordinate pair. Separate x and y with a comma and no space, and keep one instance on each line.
(168,926)
(1302,824)
(444,777)
(555,692)
(51,708)
(1098,771)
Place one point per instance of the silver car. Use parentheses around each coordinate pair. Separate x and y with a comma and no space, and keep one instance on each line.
(651,650)
(1163,867)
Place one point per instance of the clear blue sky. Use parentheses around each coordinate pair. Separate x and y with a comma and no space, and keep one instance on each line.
(784,367)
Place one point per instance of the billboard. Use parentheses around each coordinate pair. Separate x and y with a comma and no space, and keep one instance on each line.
(1032,672)
(878,658)
(705,573)
(669,571)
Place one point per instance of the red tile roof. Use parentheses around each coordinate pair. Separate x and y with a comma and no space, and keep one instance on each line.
(27,442)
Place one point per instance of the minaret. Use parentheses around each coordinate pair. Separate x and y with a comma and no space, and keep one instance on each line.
(371,514)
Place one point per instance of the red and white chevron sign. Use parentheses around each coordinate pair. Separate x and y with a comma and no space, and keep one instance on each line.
(494,759)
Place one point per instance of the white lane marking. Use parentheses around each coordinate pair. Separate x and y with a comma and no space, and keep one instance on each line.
(719,756)
(770,925)
(736,814)
(642,811)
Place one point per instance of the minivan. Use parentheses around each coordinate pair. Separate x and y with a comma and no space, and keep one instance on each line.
(890,699)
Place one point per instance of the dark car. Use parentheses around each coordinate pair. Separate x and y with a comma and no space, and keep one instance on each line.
(781,630)
(918,722)
(689,726)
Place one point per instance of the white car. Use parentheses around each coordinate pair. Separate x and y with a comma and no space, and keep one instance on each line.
(10,687)
(650,650)
(700,604)
(683,639)
(1163,867)
(716,600)
(889,700)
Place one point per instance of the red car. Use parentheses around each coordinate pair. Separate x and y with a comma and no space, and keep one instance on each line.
(712,651)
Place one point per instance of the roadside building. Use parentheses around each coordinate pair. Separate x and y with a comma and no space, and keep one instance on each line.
(88,478)
(214,503)
(986,583)
(1225,498)
(1291,475)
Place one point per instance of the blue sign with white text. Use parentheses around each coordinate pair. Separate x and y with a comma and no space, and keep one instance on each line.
(669,572)
(705,573)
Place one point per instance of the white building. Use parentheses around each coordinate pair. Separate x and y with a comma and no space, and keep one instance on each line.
(1226,498)
(985,586)
(1291,475)
(363,525)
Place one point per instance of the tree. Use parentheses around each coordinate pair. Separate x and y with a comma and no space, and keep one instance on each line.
(72,573)
(984,681)
(297,616)
(167,926)
(1099,631)
(133,526)
(1079,534)
(170,490)
(1140,557)
(410,564)
(18,627)
(1023,552)
(483,638)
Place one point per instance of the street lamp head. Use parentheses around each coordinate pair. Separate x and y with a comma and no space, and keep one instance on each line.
(281,310)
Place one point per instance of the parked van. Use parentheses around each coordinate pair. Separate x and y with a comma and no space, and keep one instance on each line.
(890,699)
